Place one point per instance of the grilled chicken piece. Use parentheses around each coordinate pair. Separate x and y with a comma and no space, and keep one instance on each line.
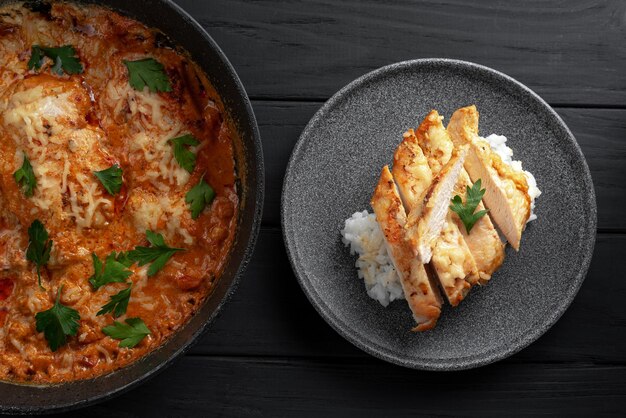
(411,172)
(424,225)
(483,242)
(506,194)
(423,298)
(46,119)
(451,260)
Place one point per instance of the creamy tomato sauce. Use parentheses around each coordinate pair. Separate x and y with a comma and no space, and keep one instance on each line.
(72,125)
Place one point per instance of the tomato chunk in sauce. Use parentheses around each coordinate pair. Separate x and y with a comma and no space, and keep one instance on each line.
(6,288)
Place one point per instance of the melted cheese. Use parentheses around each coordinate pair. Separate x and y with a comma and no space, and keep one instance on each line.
(12,246)
(149,116)
(48,124)
(164,213)
(150,145)
(84,206)
(160,157)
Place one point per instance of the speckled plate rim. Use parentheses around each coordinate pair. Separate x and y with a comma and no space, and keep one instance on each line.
(588,236)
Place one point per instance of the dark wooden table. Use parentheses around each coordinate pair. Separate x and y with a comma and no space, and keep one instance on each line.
(269,353)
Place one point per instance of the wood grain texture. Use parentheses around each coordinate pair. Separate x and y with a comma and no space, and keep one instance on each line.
(601,134)
(570,52)
(230,386)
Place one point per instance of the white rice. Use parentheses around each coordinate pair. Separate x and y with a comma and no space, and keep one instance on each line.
(362,233)
(364,237)
(498,145)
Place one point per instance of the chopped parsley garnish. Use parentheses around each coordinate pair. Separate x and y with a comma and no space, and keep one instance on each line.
(186,159)
(25,177)
(123,258)
(199,197)
(111,179)
(147,72)
(64,58)
(466,210)
(131,333)
(113,272)
(57,323)
(158,254)
(38,246)
(117,304)
(36,58)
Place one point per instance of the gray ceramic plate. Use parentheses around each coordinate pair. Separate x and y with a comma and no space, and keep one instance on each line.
(332,173)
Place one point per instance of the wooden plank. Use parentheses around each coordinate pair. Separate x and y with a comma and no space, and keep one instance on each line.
(601,134)
(568,52)
(198,386)
(280,124)
(285,324)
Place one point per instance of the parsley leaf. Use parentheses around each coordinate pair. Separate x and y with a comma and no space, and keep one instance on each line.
(57,323)
(25,177)
(38,246)
(158,254)
(64,58)
(36,58)
(130,333)
(147,72)
(123,259)
(186,159)
(473,196)
(113,272)
(111,179)
(199,197)
(118,303)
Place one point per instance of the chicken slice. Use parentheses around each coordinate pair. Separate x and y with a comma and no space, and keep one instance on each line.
(451,260)
(506,194)
(411,172)
(422,296)
(424,225)
(483,242)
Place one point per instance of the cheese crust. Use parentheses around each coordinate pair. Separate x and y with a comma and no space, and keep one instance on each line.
(451,260)
(423,297)
(484,243)
(506,194)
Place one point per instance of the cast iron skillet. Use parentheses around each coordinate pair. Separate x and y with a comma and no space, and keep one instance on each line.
(187,33)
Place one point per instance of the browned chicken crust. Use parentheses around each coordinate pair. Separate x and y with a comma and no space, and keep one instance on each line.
(424,226)
(483,242)
(422,296)
(506,194)
(452,262)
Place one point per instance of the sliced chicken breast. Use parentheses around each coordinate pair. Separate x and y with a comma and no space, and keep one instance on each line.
(411,172)
(422,296)
(483,242)
(506,194)
(424,226)
(452,261)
